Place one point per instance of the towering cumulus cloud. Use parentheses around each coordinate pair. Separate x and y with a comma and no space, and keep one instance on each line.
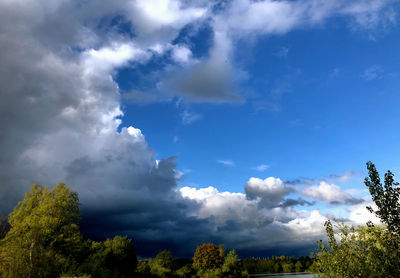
(61,115)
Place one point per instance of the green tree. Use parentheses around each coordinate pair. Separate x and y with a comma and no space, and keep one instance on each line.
(366,251)
(362,252)
(44,237)
(386,197)
(287,267)
(185,271)
(112,258)
(4,227)
(298,266)
(143,269)
(231,267)
(162,264)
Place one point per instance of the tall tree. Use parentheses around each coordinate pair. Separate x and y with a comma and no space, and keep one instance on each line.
(44,236)
(386,197)
(366,251)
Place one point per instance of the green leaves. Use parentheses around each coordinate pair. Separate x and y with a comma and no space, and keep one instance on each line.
(44,234)
(386,197)
(366,251)
(45,241)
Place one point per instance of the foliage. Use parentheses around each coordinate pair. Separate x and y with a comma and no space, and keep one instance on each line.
(112,258)
(362,252)
(385,197)
(143,269)
(161,265)
(287,267)
(366,251)
(4,227)
(208,256)
(185,271)
(44,241)
(44,237)
(231,267)
(298,266)
(276,264)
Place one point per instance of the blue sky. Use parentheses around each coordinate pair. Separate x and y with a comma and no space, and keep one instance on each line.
(315,102)
(246,123)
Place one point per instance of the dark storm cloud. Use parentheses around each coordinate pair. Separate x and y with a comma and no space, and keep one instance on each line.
(296,202)
(60,112)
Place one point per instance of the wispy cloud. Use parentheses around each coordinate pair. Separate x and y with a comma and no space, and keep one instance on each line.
(331,178)
(190,117)
(282,52)
(372,73)
(227,162)
(261,167)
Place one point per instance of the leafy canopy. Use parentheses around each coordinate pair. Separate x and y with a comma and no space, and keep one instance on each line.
(44,234)
(366,251)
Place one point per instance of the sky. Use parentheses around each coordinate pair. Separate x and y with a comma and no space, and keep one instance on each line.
(243,123)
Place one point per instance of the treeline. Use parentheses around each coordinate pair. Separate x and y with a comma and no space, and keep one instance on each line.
(41,238)
(276,264)
(209,260)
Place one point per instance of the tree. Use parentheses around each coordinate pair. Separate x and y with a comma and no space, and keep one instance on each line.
(4,227)
(112,258)
(287,267)
(185,271)
(231,267)
(386,197)
(44,234)
(366,251)
(298,266)
(162,264)
(44,241)
(208,256)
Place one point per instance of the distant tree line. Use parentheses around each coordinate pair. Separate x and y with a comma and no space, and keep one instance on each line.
(276,264)
(210,260)
(41,238)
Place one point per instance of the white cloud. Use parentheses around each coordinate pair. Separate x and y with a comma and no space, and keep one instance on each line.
(261,167)
(227,162)
(158,13)
(270,190)
(330,193)
(283,52)
(359,214)
(181,54)
(372,73)
(108,58)
(308,227)
(237,217)
(228,206)
(189,117)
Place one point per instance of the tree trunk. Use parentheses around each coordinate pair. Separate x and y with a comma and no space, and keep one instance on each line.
(31,259)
